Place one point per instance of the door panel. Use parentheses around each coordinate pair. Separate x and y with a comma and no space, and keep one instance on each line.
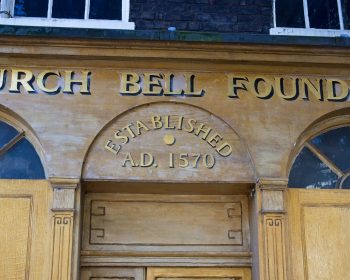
(25,231)
(319,226)
(108,273)
(198,274)
(163,223)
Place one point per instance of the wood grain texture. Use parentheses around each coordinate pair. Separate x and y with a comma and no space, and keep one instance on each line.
(198,273)
(66,125)
(161,223)
(274,247)
(25,231)
(102,164)
(118,273)
(15,235)
(62,246)
(270,245)
(318,231)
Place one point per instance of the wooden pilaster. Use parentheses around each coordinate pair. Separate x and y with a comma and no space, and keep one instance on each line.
(63,208)
(272,247)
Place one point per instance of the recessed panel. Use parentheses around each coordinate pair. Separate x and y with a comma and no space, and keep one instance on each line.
(327,240)
(114,222)
(15,237)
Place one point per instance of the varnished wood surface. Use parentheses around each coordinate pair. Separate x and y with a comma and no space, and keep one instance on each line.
(66,125)
(198,273)
(25,232)
(161,224)
(318,231)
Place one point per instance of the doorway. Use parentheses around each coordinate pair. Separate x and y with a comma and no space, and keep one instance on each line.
(163,231)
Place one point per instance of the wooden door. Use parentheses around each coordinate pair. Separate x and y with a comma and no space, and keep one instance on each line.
(319,234)
(108,273)
(165,273)
(26,230)
(198,273)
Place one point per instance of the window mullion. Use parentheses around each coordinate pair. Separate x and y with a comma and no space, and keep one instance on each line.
(306,14)
(274,14)
(49,9)
(340,12)
(324,159)
(87,9)
(13,142)
(125,10)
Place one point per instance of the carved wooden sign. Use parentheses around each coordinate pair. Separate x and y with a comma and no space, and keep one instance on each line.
(168,141)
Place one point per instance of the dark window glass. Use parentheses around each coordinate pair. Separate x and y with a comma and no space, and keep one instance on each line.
(335,145)
(323,14)
(106,9)
(290,13)
(21,162)
(346,183)
(346,13)
(311,173)
(30,8)
(7,133)
(68,9)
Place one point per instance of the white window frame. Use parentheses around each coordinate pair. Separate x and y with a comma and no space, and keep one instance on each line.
(7,18)
(307,31)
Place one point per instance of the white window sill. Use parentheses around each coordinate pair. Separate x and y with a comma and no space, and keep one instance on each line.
(71,23)
(309,32)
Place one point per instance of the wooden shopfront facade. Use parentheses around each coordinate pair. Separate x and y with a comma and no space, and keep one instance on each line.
(136,159)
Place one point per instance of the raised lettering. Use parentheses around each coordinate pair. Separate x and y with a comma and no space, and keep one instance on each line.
(307,87)
(152,84)
(139,126)
(191,123)
(128,159)
(190,87)
(225,149)
(157,122)
(130,84)
(169,85)
(129,130)
(83,82)
(214,139)
(125,139)
(167,123)
(235,84)
(281,88)
(147,160)
(263,87)
(110,146)
(202,129)
(337,90)
(23,78)
(42,79)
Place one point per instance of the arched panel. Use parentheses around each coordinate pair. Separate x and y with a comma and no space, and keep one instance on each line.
(321,160)
(168,142)
(18,157)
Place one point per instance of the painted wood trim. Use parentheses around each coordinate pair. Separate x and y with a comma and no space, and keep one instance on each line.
(62,246)
(274,247)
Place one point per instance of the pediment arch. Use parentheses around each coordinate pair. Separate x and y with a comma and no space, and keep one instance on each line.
(168,142)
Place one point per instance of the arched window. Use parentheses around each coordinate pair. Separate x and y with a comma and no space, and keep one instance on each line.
(18,158)
(323,162)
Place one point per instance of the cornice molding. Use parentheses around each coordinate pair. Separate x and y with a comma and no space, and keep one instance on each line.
(173,51)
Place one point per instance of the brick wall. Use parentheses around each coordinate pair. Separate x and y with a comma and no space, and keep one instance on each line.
(241,16)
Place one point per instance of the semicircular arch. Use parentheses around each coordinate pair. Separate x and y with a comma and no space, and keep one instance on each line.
(308,152)
(169,142)
(25,146)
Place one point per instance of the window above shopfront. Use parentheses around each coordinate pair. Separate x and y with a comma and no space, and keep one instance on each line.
(323,162)
(101,14)
(311,18)
(18,158)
